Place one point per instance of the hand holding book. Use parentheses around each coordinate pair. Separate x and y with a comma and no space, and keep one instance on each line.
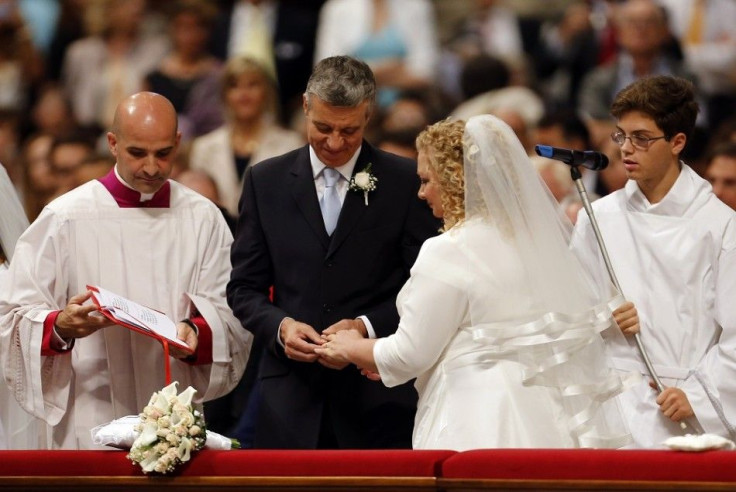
(187,333)
(78,320)
(137,317)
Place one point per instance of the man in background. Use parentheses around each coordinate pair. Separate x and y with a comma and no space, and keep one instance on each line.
(721,172)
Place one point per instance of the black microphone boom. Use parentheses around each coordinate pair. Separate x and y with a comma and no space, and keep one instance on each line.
(586,158)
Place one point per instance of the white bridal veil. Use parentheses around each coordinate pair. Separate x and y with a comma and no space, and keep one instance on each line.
(13,219)
(503,188)
(20,428)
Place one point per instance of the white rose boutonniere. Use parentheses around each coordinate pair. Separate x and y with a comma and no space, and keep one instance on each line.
(364,181)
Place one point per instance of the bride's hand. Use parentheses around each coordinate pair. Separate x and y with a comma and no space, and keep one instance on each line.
(336,351)
(373,376)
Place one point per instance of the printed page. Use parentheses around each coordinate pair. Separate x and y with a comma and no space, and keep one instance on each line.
(135,314)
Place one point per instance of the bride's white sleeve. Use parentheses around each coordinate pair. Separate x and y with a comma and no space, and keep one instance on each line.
(432,311)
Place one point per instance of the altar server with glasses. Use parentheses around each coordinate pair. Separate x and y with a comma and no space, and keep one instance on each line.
(672,245)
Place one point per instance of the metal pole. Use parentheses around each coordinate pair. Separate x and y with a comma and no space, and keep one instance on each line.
(577,178)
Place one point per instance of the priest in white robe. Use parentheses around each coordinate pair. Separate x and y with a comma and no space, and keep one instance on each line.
(139,235)
(672,245)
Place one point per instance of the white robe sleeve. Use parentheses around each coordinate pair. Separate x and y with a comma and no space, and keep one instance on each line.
(40,384)
(711,387)
(584,244)
(432,306)
(431,314)
(231,343)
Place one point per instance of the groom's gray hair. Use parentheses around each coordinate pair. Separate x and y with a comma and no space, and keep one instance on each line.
(342,81)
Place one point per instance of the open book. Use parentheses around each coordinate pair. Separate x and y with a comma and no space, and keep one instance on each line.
(136,317)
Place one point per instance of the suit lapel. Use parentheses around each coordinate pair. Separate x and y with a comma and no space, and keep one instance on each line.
(353,207)
(303,191)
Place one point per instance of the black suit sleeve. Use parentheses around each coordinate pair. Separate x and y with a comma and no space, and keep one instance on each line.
(252,274)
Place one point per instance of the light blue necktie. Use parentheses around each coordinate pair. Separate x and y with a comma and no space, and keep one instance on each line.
(330,203)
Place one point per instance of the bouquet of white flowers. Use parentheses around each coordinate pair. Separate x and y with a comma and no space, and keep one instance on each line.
(170,430)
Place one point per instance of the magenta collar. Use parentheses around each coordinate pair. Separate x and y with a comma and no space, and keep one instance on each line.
(129,198)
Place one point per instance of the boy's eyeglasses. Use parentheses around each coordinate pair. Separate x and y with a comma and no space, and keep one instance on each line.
(637,141)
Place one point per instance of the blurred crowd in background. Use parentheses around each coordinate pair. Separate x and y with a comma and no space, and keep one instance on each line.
(235,71)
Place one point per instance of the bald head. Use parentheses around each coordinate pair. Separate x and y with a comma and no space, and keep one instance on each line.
(201,182)
(144,140)
(144,108)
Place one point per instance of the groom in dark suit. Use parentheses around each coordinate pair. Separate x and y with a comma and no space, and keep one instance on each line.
(327,280)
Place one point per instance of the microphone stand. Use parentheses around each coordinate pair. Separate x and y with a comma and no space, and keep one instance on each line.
(577,179)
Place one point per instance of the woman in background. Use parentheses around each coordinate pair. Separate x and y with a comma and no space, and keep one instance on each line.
(188,63)
(397,38)
(250,133)
(38,184)
(100,70)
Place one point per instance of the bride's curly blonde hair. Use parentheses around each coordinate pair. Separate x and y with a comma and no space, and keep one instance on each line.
(443,143)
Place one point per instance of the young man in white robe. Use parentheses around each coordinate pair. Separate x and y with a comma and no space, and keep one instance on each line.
(672,245)
(143,237)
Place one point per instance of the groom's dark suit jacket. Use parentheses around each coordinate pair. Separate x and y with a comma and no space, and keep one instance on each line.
(319,280)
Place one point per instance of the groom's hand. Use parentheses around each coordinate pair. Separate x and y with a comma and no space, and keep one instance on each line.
(343,324)
(347,324)
(299,340)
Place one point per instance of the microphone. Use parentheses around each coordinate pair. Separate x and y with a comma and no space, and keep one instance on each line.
(587,158)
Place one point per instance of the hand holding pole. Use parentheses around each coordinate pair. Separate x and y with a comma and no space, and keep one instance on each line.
(577,179)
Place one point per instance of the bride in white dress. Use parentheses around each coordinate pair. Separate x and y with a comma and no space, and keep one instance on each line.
(17,428)
(500,325)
